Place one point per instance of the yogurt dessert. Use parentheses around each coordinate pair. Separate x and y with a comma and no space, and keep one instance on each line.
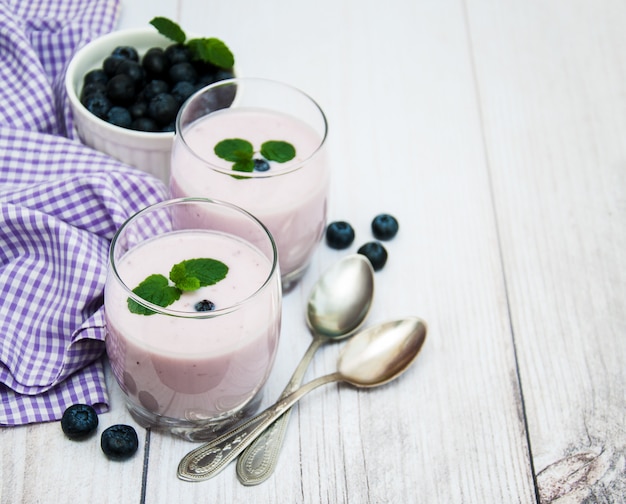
(203,358)
(288,194)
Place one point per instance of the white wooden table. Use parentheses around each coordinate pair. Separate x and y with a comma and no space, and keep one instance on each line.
(495,130)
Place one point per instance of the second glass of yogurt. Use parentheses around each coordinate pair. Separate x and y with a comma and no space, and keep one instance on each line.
(193,314)
(259,144)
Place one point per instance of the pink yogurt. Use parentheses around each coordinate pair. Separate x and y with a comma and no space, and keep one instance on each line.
(186,367)
(290,198)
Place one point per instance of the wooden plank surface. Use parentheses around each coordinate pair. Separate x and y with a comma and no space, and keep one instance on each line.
(551,82)
(495,132)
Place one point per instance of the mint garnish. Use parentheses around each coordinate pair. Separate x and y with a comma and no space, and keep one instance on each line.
(169,29)
(210,49)
(188,275)
(275,150)
(241,152)
(234,149)
(203,271)
(156,290)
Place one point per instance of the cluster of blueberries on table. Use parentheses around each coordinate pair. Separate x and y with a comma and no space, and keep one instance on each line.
(340,235)
(118,442)
(146,93)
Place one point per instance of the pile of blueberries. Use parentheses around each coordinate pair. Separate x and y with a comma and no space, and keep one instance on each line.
(118,442)
(146,93)
(340,235)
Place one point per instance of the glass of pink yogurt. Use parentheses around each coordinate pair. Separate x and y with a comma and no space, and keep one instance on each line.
(193,313)
(259,144)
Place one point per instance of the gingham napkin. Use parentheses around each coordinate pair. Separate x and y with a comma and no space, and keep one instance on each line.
(60,204)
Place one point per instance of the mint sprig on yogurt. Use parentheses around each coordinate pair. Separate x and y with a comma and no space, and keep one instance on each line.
(186,276)
(241,153)
(209,49)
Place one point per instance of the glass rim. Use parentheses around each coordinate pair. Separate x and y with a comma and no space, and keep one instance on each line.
(249,175)
(186,314)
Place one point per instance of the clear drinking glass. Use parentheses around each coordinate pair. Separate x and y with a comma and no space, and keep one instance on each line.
(289,195)
(197,365)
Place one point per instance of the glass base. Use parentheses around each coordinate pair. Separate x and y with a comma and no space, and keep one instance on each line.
(194,430)
(290,280)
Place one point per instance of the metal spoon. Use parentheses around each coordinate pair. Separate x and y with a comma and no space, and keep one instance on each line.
(338,304)
(373,357)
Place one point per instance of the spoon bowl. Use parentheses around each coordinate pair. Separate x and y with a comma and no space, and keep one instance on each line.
(338,305)
(341,298)
(373,357)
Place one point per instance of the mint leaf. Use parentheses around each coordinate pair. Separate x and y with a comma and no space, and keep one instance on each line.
(203,271)
(182,279)
(234,150)
(277,150)
(156,290)
(212,50)
(246,165)
(169,29)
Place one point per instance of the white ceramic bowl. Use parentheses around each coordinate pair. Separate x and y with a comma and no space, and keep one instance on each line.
(147,151)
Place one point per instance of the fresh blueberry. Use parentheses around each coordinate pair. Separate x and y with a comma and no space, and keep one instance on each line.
(155,63)
(169,127)
(138,109)
(134,70)
(339,235)
(96,75)
(119,116)
(126,52)
(375,252)
(178,53)
(119,442)
(163,108)
(385,226)
(144,124)
(121,89)
(154,87)
(79,421)
(110,64)
(91,89)
(98,104)
(183,90)
(182,72)
(261,165)
(223,74)
(204,305)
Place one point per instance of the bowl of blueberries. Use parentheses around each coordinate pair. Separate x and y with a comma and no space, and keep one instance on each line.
(125,89)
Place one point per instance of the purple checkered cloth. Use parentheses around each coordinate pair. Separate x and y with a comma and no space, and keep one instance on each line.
(60,204)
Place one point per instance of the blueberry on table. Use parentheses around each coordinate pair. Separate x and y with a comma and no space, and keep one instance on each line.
(339,235)
(79,421)
(119,442)
(385,226)
(375,252)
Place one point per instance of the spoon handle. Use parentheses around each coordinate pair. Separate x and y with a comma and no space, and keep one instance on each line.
(209,459)
(258,461)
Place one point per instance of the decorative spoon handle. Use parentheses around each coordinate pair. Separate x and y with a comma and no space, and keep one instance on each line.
(209,459)
(258,461)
